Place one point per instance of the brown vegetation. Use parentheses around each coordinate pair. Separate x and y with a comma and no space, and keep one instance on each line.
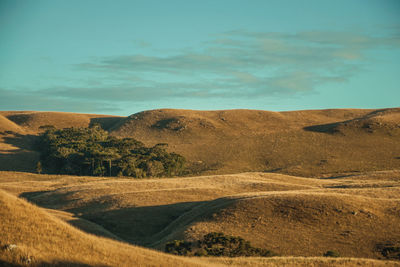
(306,143)
(44,239)
(288,215)
(349,206)
(292,215)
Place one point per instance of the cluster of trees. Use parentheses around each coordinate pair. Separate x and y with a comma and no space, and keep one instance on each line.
(92,151)
(216,244)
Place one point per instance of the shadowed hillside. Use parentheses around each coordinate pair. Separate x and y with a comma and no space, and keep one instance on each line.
(356,215)
(30,236)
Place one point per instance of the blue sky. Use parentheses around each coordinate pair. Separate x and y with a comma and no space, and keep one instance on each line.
(122,57)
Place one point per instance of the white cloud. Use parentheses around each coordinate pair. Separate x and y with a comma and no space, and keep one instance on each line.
(236,64)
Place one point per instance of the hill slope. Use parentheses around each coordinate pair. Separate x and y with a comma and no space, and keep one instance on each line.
(29,236)
(41,238)
(296,142)
(286,214)
(19,129)
(306,143)
(32,120)
(7,125)
(301,224)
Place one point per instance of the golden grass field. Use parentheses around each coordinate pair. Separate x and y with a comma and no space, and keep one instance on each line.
(297,183)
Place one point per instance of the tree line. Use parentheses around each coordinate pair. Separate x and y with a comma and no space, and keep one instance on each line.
(92,151)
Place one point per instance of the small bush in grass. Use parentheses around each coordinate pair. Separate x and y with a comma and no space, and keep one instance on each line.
(179,247)
(216,244)
(391,252)
(332,253)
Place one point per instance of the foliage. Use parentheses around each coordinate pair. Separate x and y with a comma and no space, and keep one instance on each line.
(332,253)
(390,251)
(91,151)
(39,168)
(216,244)
(178,247)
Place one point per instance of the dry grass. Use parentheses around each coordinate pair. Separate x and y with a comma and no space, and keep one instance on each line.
(300,261)
(289,215)
(7,125)
(46,240)
(30,121)
(305,224)
(306,143)
(49,240)
(350,206)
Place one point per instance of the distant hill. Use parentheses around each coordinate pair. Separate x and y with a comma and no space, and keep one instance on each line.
(298,142)
(32,120)
(307,143)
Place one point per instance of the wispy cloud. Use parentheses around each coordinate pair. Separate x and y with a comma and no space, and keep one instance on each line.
(235,64)
(261,63)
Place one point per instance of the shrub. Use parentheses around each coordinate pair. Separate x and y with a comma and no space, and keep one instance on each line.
(332,253)
(391,252)
(39,167)
(216,244)
(179,247)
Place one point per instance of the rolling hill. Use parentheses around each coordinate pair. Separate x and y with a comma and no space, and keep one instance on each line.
(298,183)
(305,143)
(355,215)
(30,236)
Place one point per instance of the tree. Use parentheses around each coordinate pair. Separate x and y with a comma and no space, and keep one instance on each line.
(110,154)
(91,151)
(39,167)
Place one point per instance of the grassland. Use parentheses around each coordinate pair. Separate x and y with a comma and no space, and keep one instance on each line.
(305,143)
(297,183)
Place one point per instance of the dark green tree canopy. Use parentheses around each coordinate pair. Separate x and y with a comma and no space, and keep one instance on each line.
(92,151)
(217,245)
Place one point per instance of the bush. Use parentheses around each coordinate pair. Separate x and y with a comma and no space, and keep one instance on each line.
(178,247)
(332,253)
(216,244)
(391,252)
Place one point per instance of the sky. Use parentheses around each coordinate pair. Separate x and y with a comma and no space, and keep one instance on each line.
(122,57)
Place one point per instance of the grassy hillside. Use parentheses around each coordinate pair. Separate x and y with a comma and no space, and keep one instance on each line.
(354,215)
(298,183)
(306,143)
(32,120)
(30,236)
(310,224)
(8,125)
(19,129)
(42,239)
